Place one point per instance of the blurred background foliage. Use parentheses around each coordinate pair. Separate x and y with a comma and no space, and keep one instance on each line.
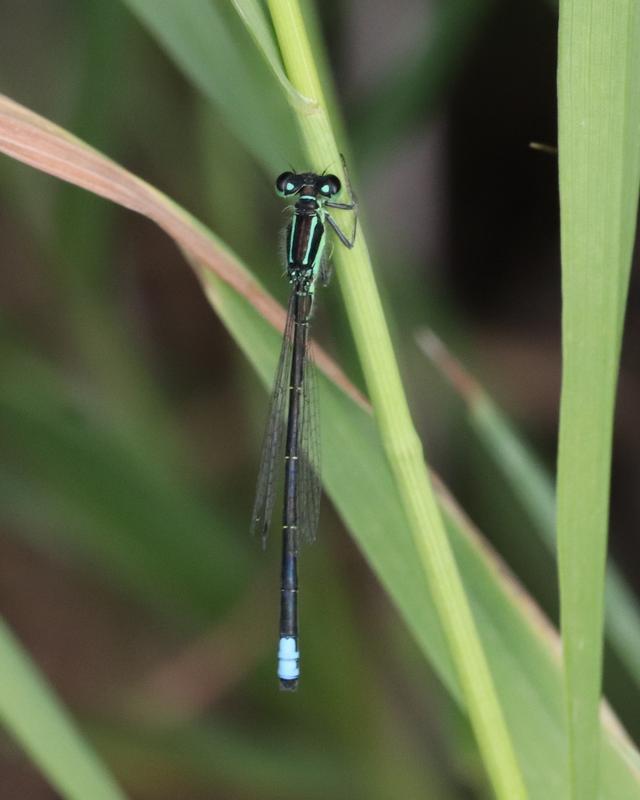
(130,424)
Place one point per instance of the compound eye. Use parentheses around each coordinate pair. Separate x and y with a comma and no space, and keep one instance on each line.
(328,185)
(286,184)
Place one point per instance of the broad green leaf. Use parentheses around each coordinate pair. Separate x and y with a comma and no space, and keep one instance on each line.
(521,648)
(599,159)
(42,725)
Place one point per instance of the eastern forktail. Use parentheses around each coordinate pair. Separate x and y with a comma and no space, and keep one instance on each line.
(291,437)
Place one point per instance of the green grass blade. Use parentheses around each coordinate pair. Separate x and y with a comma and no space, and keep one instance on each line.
(599,147)
(521,648)
(532,485)
(37,720)
(402,445)
(202,38)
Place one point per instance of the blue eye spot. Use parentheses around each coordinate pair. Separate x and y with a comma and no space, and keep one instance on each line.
(289,187)
(325,189)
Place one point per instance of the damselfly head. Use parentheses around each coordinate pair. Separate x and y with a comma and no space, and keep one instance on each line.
(290,183)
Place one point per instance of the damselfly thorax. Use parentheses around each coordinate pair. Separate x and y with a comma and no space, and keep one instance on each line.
(305,242)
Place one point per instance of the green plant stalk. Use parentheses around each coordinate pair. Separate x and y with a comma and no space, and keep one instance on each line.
(599,157)
(402,445)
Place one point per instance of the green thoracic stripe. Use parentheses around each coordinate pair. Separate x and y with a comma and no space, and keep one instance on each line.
(314,222)
(294,222)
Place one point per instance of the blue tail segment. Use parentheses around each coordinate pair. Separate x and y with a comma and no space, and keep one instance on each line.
(288,662)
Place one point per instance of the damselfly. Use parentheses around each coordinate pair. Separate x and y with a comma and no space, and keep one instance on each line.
(291,437)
